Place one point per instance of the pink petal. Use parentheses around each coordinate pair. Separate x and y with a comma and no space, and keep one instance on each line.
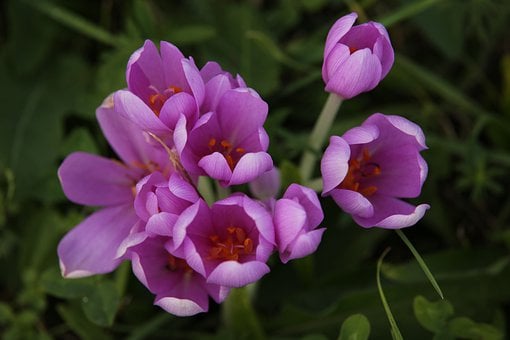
(352,202)
(180,103)
(289,220)
(235,274)
(93,180)
(337,56)
(249,167)
(171,57)
(338,30)
(195,81)
(215,165)
(91,247)
(361,72)
(334,163)
(304,245)
(145,69)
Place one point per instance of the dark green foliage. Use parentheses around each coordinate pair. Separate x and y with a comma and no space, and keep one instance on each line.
(60,59)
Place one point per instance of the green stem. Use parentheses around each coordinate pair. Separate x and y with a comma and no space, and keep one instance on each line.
(395,332)
(318,135)
(205,189)
(420,261)
(239,315)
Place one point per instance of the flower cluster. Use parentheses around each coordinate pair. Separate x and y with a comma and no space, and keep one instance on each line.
(176,123)
(173,124)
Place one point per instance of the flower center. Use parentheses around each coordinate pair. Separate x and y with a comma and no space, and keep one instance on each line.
(157,99)
(352,49)
(232,246)
(231,154)
(175,264)
(360,170)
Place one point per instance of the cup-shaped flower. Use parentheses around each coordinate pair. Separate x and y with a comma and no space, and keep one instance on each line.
(230,143)
(161,86)
(228,243)
(178,288)
(90,248)
(296,218)
(356,58)
(372,166)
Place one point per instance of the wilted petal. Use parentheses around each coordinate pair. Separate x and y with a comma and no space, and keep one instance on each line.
(91,247)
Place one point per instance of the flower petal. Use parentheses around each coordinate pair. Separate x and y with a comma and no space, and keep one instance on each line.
(249,167)
(235,274)
(334,163)
(338,30)
(171,57)
(289,220)
(392,213)
(304,245)
(145,69)
(93,180)
(91,247)
(215,165)
(352,202)
(180,103)
(134,109)
(361,72)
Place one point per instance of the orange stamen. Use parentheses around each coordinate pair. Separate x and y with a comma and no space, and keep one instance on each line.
(235,244)
(361,169)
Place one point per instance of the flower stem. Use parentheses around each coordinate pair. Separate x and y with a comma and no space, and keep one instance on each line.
(239,315)
(318,135)
(420,261)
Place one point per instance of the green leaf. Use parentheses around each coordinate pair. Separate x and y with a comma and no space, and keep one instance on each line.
(355,327)
(101,305)
(80,139)
(432,315)
(75,319)
(466,328)
(54,284)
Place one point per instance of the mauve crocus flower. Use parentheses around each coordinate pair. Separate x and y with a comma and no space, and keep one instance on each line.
(230,143)
(90,248)
(228,243)
(356,58)
(161,86)
(178,288)
(296,218)
(372,166)
(158,203)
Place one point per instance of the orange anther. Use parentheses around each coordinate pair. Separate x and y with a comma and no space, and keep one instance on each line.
(248,246)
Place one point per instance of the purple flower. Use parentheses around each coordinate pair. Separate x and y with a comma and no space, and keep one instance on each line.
(356,58)
(228,243)
(370,167)
(178,288)
(296,218)
(158,203)
(161,86)
(90,248)
(230,143)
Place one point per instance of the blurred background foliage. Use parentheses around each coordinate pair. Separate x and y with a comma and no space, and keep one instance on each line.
(59,59)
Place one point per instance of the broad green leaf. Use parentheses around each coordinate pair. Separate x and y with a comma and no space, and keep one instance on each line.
(466,328)
(54,284)
(75,319)
(101,304)
(355,327)
(432,315)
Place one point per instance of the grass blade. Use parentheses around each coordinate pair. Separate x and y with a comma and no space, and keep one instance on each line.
(422,263)
(395,332)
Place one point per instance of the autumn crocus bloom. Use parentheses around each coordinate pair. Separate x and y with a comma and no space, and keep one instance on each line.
(296,218)
(178,288)
(90,248)
(372,166)
(228,243)
(162,85)
(228,144)
(356,58)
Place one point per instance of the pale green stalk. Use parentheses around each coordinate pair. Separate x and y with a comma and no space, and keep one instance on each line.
(318,136)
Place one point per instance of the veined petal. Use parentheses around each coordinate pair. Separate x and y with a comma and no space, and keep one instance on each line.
(289,220)
(93,180)
(361,72)
(194,80)
(161,224)
(334,163)
(215,165)
(338,30)
(235,274)
(392,213)
(338,55)
(180,103)
(171,57)
(91,247)
(308,199)
(214,90)
(352,202)
(249,167)
(304,245)
(361,134)
(145,69)
(134,109)
(196,303)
